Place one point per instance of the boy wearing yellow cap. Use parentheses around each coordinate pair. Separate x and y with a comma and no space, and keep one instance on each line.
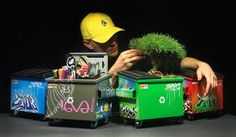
(100,35)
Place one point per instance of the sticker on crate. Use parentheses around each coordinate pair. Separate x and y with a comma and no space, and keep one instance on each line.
(126,88)
(206,103)
(103,109)
(28,95)
(70,100)
(201,103)
(197,102)
(24,102)
(173,91)
(128,109)
(126,84)
(83,107)
(58,93)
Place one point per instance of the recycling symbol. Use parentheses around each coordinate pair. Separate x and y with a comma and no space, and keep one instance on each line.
(162,100)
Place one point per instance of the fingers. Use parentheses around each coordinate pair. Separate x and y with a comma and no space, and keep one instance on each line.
(128,65)
(208,85)
(131,56)
(199,75)
(132,51)
(210,77)
(126,60)
(214,81)
(133,59)
(211,81)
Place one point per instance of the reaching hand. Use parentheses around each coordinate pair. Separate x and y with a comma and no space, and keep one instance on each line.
(204,70)
(125,61)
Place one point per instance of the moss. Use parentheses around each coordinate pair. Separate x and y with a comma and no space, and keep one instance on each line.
(154,44)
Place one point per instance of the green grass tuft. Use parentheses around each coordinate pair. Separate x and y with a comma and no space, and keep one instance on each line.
(158,44)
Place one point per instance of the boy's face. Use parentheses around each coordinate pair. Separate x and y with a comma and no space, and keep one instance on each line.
(110,47)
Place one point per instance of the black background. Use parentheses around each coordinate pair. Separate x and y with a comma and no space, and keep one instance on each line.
(39,34)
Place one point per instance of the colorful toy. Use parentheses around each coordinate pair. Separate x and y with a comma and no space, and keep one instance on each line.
(80,99)
(87,96)
(195,103)
(143,96)
(88,64)
(28,91)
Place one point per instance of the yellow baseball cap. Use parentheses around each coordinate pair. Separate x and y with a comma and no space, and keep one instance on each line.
(98,27)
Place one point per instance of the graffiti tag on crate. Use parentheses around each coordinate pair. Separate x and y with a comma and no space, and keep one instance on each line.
(24,102)
(36,85)
(84,107)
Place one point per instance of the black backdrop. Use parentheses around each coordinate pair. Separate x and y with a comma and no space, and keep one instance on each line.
(40,34)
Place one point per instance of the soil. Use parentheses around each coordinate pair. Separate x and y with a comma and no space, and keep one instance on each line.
(160,74)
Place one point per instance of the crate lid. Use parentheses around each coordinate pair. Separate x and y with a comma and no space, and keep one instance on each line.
(34,72)
(192,74)
(80,81)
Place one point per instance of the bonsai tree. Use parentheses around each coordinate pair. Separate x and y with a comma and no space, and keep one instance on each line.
(159,48)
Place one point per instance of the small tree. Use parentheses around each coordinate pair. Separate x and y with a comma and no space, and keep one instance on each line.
(158,47)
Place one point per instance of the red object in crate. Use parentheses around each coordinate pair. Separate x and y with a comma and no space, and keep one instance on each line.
(194,100)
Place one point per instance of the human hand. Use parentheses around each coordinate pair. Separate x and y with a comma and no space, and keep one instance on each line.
(125,61)
(204,70)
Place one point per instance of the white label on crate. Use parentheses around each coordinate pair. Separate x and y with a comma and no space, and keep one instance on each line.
(52,85)
(143,86)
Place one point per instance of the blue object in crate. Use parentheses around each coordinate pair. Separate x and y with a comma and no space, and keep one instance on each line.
(28,90)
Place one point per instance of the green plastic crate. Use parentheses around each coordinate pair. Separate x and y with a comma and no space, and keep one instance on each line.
(143,96)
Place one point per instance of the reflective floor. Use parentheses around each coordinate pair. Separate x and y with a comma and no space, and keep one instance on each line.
(25,126)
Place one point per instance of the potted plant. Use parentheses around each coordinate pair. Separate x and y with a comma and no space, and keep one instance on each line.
(159,48)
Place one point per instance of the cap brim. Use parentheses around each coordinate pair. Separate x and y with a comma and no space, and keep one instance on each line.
(107,35)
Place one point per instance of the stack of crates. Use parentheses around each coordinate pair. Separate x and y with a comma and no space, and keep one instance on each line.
(195,103)
(143,96)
